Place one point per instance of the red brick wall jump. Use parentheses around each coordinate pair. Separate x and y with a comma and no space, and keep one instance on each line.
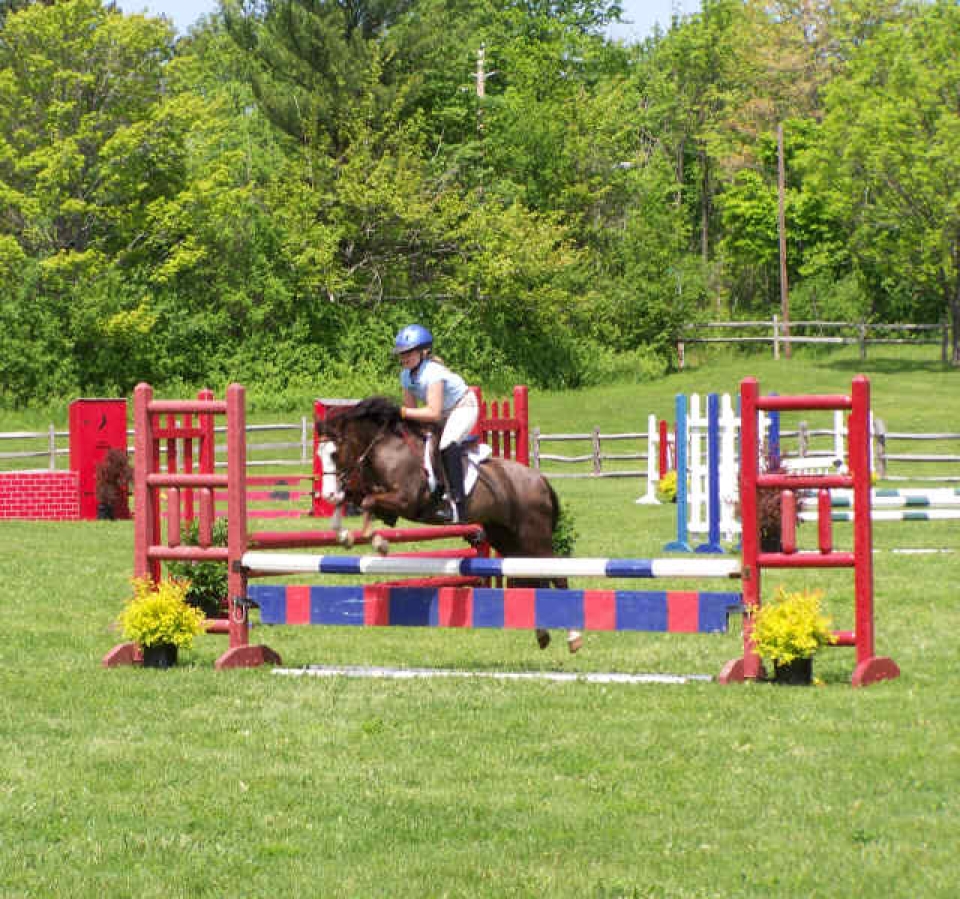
(49,495)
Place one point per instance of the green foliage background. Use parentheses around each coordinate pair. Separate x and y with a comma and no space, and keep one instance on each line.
(270,197)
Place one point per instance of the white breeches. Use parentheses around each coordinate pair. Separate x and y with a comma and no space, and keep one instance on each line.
(461,420)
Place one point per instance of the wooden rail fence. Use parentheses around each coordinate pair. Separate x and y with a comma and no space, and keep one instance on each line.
(774,332)
(592,453)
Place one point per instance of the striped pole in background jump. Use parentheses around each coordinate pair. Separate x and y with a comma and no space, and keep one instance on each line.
(908,497)
(891,515)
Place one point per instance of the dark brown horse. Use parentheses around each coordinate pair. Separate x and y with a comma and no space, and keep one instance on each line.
(377,461)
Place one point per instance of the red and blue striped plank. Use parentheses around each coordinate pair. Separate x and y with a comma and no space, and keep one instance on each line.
(481,566)
(667,611)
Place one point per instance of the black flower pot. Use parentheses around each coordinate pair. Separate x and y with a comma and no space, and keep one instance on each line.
(798,673)
(163,655)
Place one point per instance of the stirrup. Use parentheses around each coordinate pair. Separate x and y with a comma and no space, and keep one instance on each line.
(448,512)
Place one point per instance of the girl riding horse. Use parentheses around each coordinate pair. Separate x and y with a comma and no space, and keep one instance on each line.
(445,400)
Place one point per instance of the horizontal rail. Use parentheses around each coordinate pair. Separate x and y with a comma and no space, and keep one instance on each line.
(187,407)
(189,553)
(289,539)
(784,333)
(291,563)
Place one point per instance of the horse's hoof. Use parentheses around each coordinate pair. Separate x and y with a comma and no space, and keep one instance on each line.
(574,641)
(345,538)
(380,544)
(543,639)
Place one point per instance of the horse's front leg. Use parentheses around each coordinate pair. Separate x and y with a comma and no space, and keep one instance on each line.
(367,531)
(344,537)
(366,524)
(400,502)
(376,501)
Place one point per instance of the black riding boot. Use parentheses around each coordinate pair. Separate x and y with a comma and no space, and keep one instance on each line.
(453,467)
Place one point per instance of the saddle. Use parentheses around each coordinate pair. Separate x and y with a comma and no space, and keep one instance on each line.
(474,454)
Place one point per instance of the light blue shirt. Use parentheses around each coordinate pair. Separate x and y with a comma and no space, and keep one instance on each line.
(429,372)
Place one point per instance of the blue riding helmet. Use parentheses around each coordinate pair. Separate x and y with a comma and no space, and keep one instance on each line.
(412,337)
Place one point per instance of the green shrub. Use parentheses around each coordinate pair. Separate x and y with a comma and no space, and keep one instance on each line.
(565,533)
(208,580)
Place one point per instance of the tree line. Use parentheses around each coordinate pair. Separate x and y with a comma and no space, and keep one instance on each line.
(270,197)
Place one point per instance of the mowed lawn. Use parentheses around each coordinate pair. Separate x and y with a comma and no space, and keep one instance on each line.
(193,782)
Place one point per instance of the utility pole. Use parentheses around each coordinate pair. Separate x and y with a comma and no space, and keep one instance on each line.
(481,73)
(782,228)
(481,79)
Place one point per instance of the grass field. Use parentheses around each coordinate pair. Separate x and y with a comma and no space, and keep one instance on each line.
(195,783)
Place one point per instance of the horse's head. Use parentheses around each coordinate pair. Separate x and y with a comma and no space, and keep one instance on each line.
(345,438)
(328,439)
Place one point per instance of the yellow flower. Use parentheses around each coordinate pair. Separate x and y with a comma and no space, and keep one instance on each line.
(791,626)
(158,614)
(667,487)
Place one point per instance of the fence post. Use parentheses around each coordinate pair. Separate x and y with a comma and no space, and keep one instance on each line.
(536,447)
(862,337)
(52,447)
(944,338)
(880,442)
(776,337)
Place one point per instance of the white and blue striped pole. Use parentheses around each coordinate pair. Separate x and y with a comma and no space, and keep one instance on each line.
(712,544)
(481,566)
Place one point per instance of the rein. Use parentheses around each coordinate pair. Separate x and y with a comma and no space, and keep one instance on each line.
(357,463)
(350,478)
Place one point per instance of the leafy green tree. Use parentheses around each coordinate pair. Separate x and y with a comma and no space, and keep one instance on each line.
(380,213)
(888,162)
(78,90)
(311,61)
(7,7)
(132,182)
(82,154)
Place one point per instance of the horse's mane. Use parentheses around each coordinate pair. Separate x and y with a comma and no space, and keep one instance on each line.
(378,409)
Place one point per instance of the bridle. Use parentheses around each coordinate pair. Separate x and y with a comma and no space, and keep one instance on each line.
(353,471)
(349,477)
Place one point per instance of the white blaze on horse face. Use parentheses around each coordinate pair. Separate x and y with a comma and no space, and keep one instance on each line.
(328,482)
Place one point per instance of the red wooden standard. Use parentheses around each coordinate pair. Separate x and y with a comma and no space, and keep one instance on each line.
(869,667)
(150,545)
